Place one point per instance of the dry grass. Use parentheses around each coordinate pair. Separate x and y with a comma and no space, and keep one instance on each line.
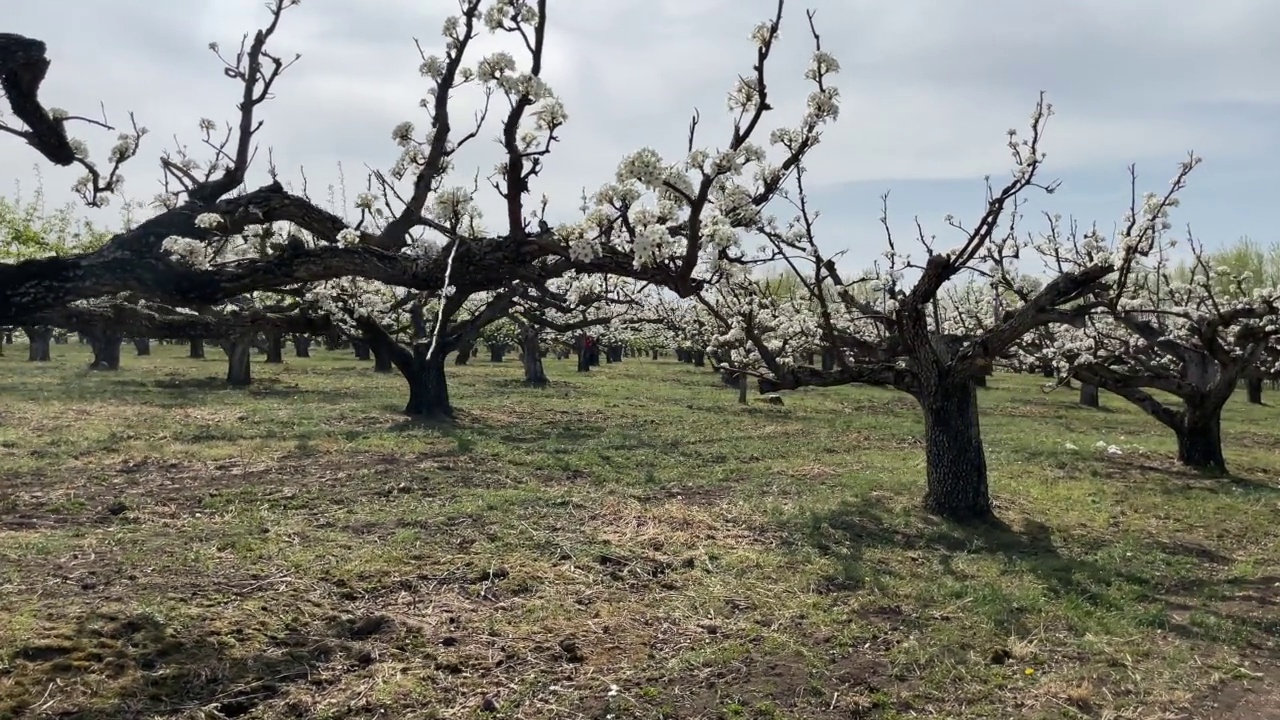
(629,544)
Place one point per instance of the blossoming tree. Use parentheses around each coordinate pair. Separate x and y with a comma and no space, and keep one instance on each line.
(899,342)
(1193,334)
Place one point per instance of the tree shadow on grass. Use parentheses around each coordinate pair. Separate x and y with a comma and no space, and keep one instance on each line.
(133,665)
(1084,570)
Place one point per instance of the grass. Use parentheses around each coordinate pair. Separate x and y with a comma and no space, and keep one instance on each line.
(626,544)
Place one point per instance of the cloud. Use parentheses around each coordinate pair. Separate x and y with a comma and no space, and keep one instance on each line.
(929,87)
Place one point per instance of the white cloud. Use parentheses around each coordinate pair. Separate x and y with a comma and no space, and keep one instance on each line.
(929,86)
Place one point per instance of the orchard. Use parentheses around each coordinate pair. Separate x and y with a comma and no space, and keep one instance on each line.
(391,456)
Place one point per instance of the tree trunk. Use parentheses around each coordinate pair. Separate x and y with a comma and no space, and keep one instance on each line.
(699,358)
(428,386)
(302,346)
(497,352)
(1253,390)
(381,360)
(742,388)
(239,370)
(1200,440)
(828,360)
(956,463)
(809,358)
(38,337)
(1088,395)
(106,350)
(1047,371)
(584,356)
(464,354)
(655,355)
(275,348)
(361,349)
(197,349)
(143,346)
(534,373)
(615,353)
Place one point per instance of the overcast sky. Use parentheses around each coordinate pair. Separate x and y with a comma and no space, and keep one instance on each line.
(929,88)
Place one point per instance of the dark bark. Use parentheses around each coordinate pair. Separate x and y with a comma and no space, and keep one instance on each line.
(302,346)
(497,352)
(361,350)
(956,465)
(239,352)
(699,358)
(655,355)
(464,354)
(333,340)
(1088,395)
(142,346)
(534,373)
(196,351)
(1047,371)
(274,347)
(828,360)
(683,355)
(809,358)
(382,362)
(742,388)
(615,353)
(38,337)
(1253,390)
(1200,439)
(428,386)
(106,350)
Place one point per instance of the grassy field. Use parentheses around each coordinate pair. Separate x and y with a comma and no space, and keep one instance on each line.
(628,544)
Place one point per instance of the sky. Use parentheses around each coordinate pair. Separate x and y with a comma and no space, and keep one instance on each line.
(928,88)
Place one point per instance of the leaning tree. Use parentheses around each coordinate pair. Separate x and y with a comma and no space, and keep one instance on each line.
(898,341)
(1193,335)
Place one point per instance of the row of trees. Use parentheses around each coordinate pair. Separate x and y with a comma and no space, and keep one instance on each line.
(414,270)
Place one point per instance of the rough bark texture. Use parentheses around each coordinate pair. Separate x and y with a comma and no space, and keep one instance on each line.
(1088,395)
(106,350)
(38,337)
(956,466)
(196,351)
(428,386)
(531,357)
(1200,440)
(239,369)
(302,346)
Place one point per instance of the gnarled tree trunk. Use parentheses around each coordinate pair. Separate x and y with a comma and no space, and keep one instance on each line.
(239,350)
(382,362)
(956,465)
(106,350)
(1088,395)
(275,347)
(1200,438)
(531,357)
(38,339)
(361,350)
(428,386)
(464,353)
